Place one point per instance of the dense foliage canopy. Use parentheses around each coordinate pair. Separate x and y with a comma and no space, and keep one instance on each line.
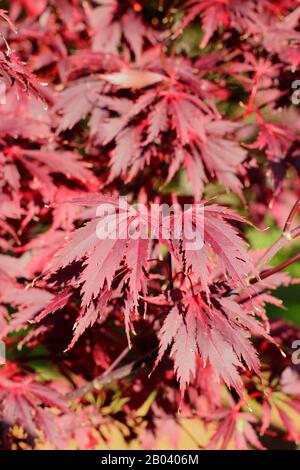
(122,340)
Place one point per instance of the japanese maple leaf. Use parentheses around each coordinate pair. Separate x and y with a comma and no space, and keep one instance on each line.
(162,109)
(27,302)
(77,101)
(26,402)
(170,104)
(114,23)
(188,334)
(219,239)
(244,16)
(14,72)
(174,120)
(263,84)
(287,38)
(93,95)
(103,257)
(86,94)
(280,396)
(277,137)
(285,403)
(236,429)
(42,164)
(113,251)
(218,331)
(25,116)
(202,327)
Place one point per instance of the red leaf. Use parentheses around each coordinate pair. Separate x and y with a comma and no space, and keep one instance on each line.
(21,403)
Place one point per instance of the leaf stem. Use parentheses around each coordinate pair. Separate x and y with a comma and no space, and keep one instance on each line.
(291,216)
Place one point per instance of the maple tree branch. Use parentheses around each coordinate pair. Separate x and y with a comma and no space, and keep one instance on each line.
(283,240)
(264,275)
(286,236)
(112,374)
(276,269)
(102,376)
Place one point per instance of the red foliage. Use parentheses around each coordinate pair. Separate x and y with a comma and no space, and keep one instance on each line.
(166,103)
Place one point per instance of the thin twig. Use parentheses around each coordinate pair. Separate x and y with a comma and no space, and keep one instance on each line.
(276,269)
(287,236)
(112,374)
(264,275)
